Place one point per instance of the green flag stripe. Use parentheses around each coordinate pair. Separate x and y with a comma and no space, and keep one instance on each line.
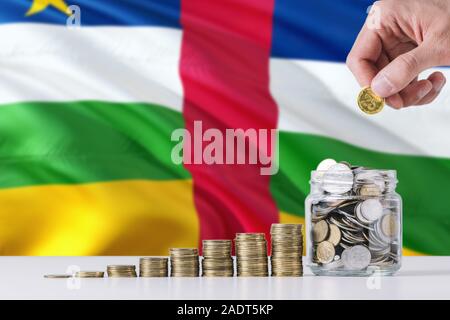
(86,141)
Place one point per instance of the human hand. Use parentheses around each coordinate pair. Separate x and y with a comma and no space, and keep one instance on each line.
(412,36)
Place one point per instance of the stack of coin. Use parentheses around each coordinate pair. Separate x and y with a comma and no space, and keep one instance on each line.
(121,271)
(153,267)
(251,255)
(217,260)
(355,224)
(287,250)
(57,276)
(184,262)
(89,274)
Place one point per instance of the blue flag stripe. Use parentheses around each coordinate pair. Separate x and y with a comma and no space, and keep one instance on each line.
(302,29)
(317,29)
(99,13)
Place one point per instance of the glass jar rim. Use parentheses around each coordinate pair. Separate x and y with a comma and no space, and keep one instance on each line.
(365,170)
(389,175)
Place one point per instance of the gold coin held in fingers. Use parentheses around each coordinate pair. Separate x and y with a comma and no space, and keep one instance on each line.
(369,102)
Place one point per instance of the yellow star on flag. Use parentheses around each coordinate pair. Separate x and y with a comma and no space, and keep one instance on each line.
(40,5)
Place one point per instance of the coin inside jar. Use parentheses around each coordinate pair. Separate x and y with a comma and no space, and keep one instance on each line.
(369,190)
(356,257)
(369,210)
(324,165)
(320,231)
(388,225)
(325,252)
(338,179)
(334,235)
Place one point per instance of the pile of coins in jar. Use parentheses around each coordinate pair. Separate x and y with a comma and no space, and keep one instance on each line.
(355,218)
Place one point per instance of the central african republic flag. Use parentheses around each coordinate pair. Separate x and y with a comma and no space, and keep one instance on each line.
(86,117)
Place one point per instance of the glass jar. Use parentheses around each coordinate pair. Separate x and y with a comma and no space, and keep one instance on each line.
(353,222)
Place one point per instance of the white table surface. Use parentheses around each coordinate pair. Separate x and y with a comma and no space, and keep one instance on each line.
(22,278)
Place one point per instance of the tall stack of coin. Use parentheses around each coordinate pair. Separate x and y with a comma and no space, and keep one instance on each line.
(251,255)
(153,267)
(217,260)
(121,271)
(287,250)
(184,262)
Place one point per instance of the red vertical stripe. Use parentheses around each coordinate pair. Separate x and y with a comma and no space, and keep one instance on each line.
(225,73)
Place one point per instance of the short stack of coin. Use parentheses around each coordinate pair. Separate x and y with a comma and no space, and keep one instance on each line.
(89,274)
(184,262)
(121,271)
(153,267)
(287,250)
(251,255)
(217,260)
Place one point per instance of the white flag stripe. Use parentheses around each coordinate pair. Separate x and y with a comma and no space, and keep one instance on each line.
(141,64)
(320,98)
(52,63)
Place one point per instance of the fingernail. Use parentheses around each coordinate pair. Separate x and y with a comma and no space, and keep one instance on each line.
(382,86)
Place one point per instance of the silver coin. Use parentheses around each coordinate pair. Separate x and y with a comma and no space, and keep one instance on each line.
(372,209)
(344,246)
(345,203)
(353,238)
(354,221)
(347,221)
(359,215)
(343,226)
(321,208)
(333,265)
(369,211)
(357,258)
(345,253)
(370,177)
(378,236)
(326,164)
(338,179)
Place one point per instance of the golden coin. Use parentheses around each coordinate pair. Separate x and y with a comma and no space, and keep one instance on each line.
(369,102)
(90,274)
(389,225)
(325,252)
(335,235)
(369,190)
(57,276)
(320,231)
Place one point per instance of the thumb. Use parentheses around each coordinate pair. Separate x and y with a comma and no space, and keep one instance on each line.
(401,71)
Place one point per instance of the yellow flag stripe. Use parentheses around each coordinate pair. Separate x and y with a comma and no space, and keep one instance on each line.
(108,218)
(133,217)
